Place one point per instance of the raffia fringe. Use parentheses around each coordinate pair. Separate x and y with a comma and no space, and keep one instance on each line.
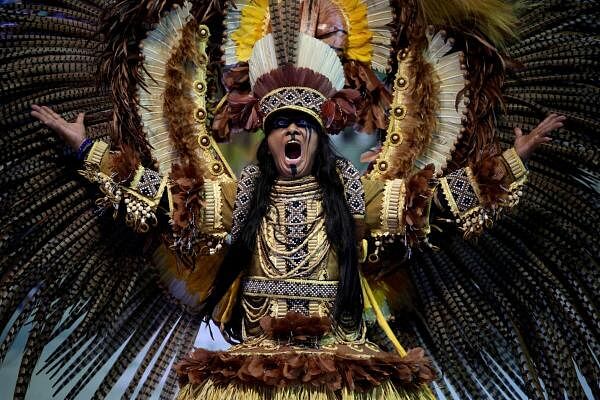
(209,391)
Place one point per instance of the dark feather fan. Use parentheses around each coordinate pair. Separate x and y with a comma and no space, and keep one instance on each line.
(63,264)
(514,314)
(519,306)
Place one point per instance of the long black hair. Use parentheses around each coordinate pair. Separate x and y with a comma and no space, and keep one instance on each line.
(339,225)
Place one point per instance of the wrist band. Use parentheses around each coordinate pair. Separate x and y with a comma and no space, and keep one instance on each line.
(515,164)
(96,153)
(83,148)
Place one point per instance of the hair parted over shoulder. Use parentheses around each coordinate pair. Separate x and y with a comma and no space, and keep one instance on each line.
(340,230)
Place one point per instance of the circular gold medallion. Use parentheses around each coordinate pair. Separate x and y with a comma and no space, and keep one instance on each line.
(204,141)
(399,112)
(200,114)
(217,168)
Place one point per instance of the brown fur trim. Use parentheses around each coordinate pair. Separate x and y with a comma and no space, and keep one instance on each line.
(420,100)
(479,147)
(376,99)
(419,192)
(186,194)
(486,77)
(410,30)
(178,104)
(295,327)
(343,366)
(178,107)
(493,180)
(421,104)
(124,25)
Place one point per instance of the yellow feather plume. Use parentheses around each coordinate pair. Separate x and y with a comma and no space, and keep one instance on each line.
(359,35)
(254,26)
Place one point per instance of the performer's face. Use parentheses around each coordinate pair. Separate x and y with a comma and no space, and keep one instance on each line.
(292,140)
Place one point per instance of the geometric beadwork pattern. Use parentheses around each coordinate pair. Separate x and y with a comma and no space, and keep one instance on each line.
(291,288)
(292,96)
(353,188)
(245,191)
(296,230)
(298,306)
(149,183)
(462,191)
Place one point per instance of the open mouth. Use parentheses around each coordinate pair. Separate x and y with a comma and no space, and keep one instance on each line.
(293,150)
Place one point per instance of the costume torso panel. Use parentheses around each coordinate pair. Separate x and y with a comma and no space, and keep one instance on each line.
(294,268)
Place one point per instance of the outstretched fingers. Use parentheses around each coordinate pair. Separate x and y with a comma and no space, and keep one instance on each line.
(40,114)
(550,123)
(525,144)
(72,133)
(51,112)
(51,119)
(47,116)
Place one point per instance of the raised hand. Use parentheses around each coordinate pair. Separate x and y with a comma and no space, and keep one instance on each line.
(525,145)
(73,133)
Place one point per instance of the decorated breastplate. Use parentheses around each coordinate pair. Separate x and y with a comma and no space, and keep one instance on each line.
(292,270)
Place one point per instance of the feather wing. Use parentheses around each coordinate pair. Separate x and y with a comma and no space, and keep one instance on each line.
(66,269)
(172,97)
(514,315)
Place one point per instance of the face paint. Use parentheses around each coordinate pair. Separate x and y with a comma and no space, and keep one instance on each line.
(290,144)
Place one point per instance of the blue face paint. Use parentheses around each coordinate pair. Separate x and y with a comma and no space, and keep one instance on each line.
(283,120)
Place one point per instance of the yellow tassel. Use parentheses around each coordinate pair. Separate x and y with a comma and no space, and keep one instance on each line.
(370,297)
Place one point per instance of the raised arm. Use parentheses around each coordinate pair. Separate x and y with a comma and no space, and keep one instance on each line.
(471,197)
(476,195)
(192,210)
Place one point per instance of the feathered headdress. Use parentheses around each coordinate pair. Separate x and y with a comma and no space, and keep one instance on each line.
(292,70)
